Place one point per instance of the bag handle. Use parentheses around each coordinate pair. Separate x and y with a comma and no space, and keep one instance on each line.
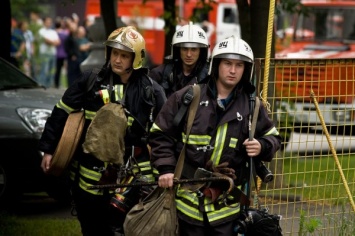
(191,116)
(253,117)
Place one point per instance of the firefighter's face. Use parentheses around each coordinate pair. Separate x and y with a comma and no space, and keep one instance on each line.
(189,56)
(230,72)
(121,61)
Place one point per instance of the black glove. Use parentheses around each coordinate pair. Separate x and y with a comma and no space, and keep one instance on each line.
(221,168)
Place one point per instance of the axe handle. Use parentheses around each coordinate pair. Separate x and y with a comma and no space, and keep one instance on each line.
(176,181)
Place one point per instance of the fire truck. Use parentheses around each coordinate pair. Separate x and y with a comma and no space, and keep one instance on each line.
(326,30)
(147,17)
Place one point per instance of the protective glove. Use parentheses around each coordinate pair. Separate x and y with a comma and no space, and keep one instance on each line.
(222,169)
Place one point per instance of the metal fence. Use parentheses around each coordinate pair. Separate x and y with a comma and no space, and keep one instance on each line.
(314,182)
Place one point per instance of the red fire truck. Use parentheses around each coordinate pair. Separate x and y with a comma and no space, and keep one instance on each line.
(325,30)
(147,16)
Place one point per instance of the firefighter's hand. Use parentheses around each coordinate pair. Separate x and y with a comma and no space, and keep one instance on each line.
(221,168)
(46,162)
(166,180)
(252,147)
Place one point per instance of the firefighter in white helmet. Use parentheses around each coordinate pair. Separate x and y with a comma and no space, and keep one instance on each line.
(122,79)
(218,142)
(189,60)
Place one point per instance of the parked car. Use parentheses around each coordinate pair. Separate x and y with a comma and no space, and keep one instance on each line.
(24,108)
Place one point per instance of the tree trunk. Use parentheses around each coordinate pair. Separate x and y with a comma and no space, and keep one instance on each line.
(109,15)
(170,26)
(5,16)
(259,14)
(244,19)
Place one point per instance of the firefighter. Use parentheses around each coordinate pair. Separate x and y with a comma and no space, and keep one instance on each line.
(218,141)
(188,63)
(121,79)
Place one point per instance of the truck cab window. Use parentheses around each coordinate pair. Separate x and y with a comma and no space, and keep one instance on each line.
(229,16)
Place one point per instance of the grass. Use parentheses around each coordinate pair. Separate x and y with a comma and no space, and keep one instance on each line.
(313,178)
(318,178)
(12,225)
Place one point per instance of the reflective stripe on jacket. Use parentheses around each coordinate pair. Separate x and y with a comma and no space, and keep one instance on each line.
(139,108)
(216,135)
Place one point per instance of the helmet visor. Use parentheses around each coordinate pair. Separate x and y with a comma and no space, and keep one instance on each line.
(190,45)
(117,45)
(234,56)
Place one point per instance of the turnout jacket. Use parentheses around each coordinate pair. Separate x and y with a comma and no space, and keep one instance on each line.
(141,97)
(171,77)
(217,134)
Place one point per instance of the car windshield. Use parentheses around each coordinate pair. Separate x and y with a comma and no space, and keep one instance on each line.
(326,24)
(13,78)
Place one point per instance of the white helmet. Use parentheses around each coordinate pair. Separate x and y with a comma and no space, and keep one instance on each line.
(130,40)
(232,48)
(189,36)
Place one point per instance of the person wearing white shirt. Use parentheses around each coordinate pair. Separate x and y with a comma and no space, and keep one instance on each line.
(49,39)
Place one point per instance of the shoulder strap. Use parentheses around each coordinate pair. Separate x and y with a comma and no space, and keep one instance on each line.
(186,100)
(255,116)
(203,74)
(252,173)
(92,79)
(167,74)
(192,113)
(150,94)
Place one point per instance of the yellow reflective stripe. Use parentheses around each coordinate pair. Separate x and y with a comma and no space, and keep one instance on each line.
(144,163)
(127,180)
(155,171)
(188,195)
(89,115)
(220,139)
(208,206)
(105,95)
(148,178)
(272,131)
(118,92)
(84,187)
(142,166)
(233,142)
(90,174)
(223,212)
(130,120)
(191,208)
(64,107)
(155,128)
(188,210)
(197,139)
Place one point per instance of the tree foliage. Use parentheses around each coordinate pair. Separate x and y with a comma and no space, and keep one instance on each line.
(20,9)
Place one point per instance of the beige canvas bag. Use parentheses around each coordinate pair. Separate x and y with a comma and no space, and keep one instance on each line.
(105,136)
